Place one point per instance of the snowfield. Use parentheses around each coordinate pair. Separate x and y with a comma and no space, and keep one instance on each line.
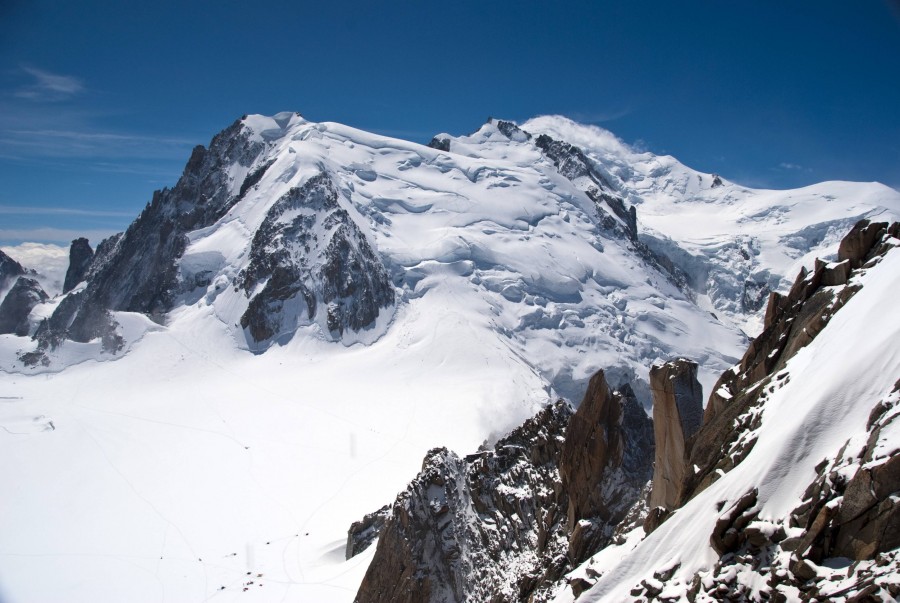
(194,466)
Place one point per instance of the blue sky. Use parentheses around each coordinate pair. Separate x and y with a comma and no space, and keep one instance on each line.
(101,102)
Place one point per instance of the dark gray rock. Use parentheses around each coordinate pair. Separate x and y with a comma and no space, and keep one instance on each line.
(9,269)
(18,304)
(363,533)
(304,271)
(572,163)
(512,131)
(441,144)
(80,256)
(137,271)
(487,527)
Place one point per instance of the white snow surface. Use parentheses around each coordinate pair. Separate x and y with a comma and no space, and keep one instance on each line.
(725,235)
(833,386)
(188,463)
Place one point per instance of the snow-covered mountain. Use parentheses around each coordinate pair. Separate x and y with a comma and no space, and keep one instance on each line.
(785,488)
(267,352)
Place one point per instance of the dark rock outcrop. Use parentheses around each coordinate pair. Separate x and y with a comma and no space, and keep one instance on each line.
(677,415)
(573,164)
(441,144)
(363,533)
(512,131)
(605,462)
(856,517)
(139,271)
(316,258)
(80,256)
(486,527)
(506,524)
(9,269)
(18,304)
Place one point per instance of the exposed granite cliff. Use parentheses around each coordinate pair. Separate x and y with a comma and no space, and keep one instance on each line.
(605,462)
(506,524)
(849,514)
(489,526)
(677,414)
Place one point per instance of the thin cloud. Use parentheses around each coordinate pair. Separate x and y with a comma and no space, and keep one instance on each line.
(51,235)
(47,86)
(83,143)
(103,137)
(62,211)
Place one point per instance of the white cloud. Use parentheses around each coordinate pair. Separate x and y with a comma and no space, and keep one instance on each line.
(52,235)
(62,211)
(48,86)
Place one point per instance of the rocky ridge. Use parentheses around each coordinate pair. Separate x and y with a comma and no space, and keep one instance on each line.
(443,547)
(506,523)
(841,543)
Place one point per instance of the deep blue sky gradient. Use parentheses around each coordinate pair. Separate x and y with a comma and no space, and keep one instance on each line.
(101,102)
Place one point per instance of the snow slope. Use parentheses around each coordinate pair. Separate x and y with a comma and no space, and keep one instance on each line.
(721,233)
(823,406)
(187,462)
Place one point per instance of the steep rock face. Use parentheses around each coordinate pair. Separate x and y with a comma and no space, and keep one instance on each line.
(605,462)
(310,254)
(506,524)
(9,269)
(80,256)
(487,527)
(139,272)
(677,415)
(18,304)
